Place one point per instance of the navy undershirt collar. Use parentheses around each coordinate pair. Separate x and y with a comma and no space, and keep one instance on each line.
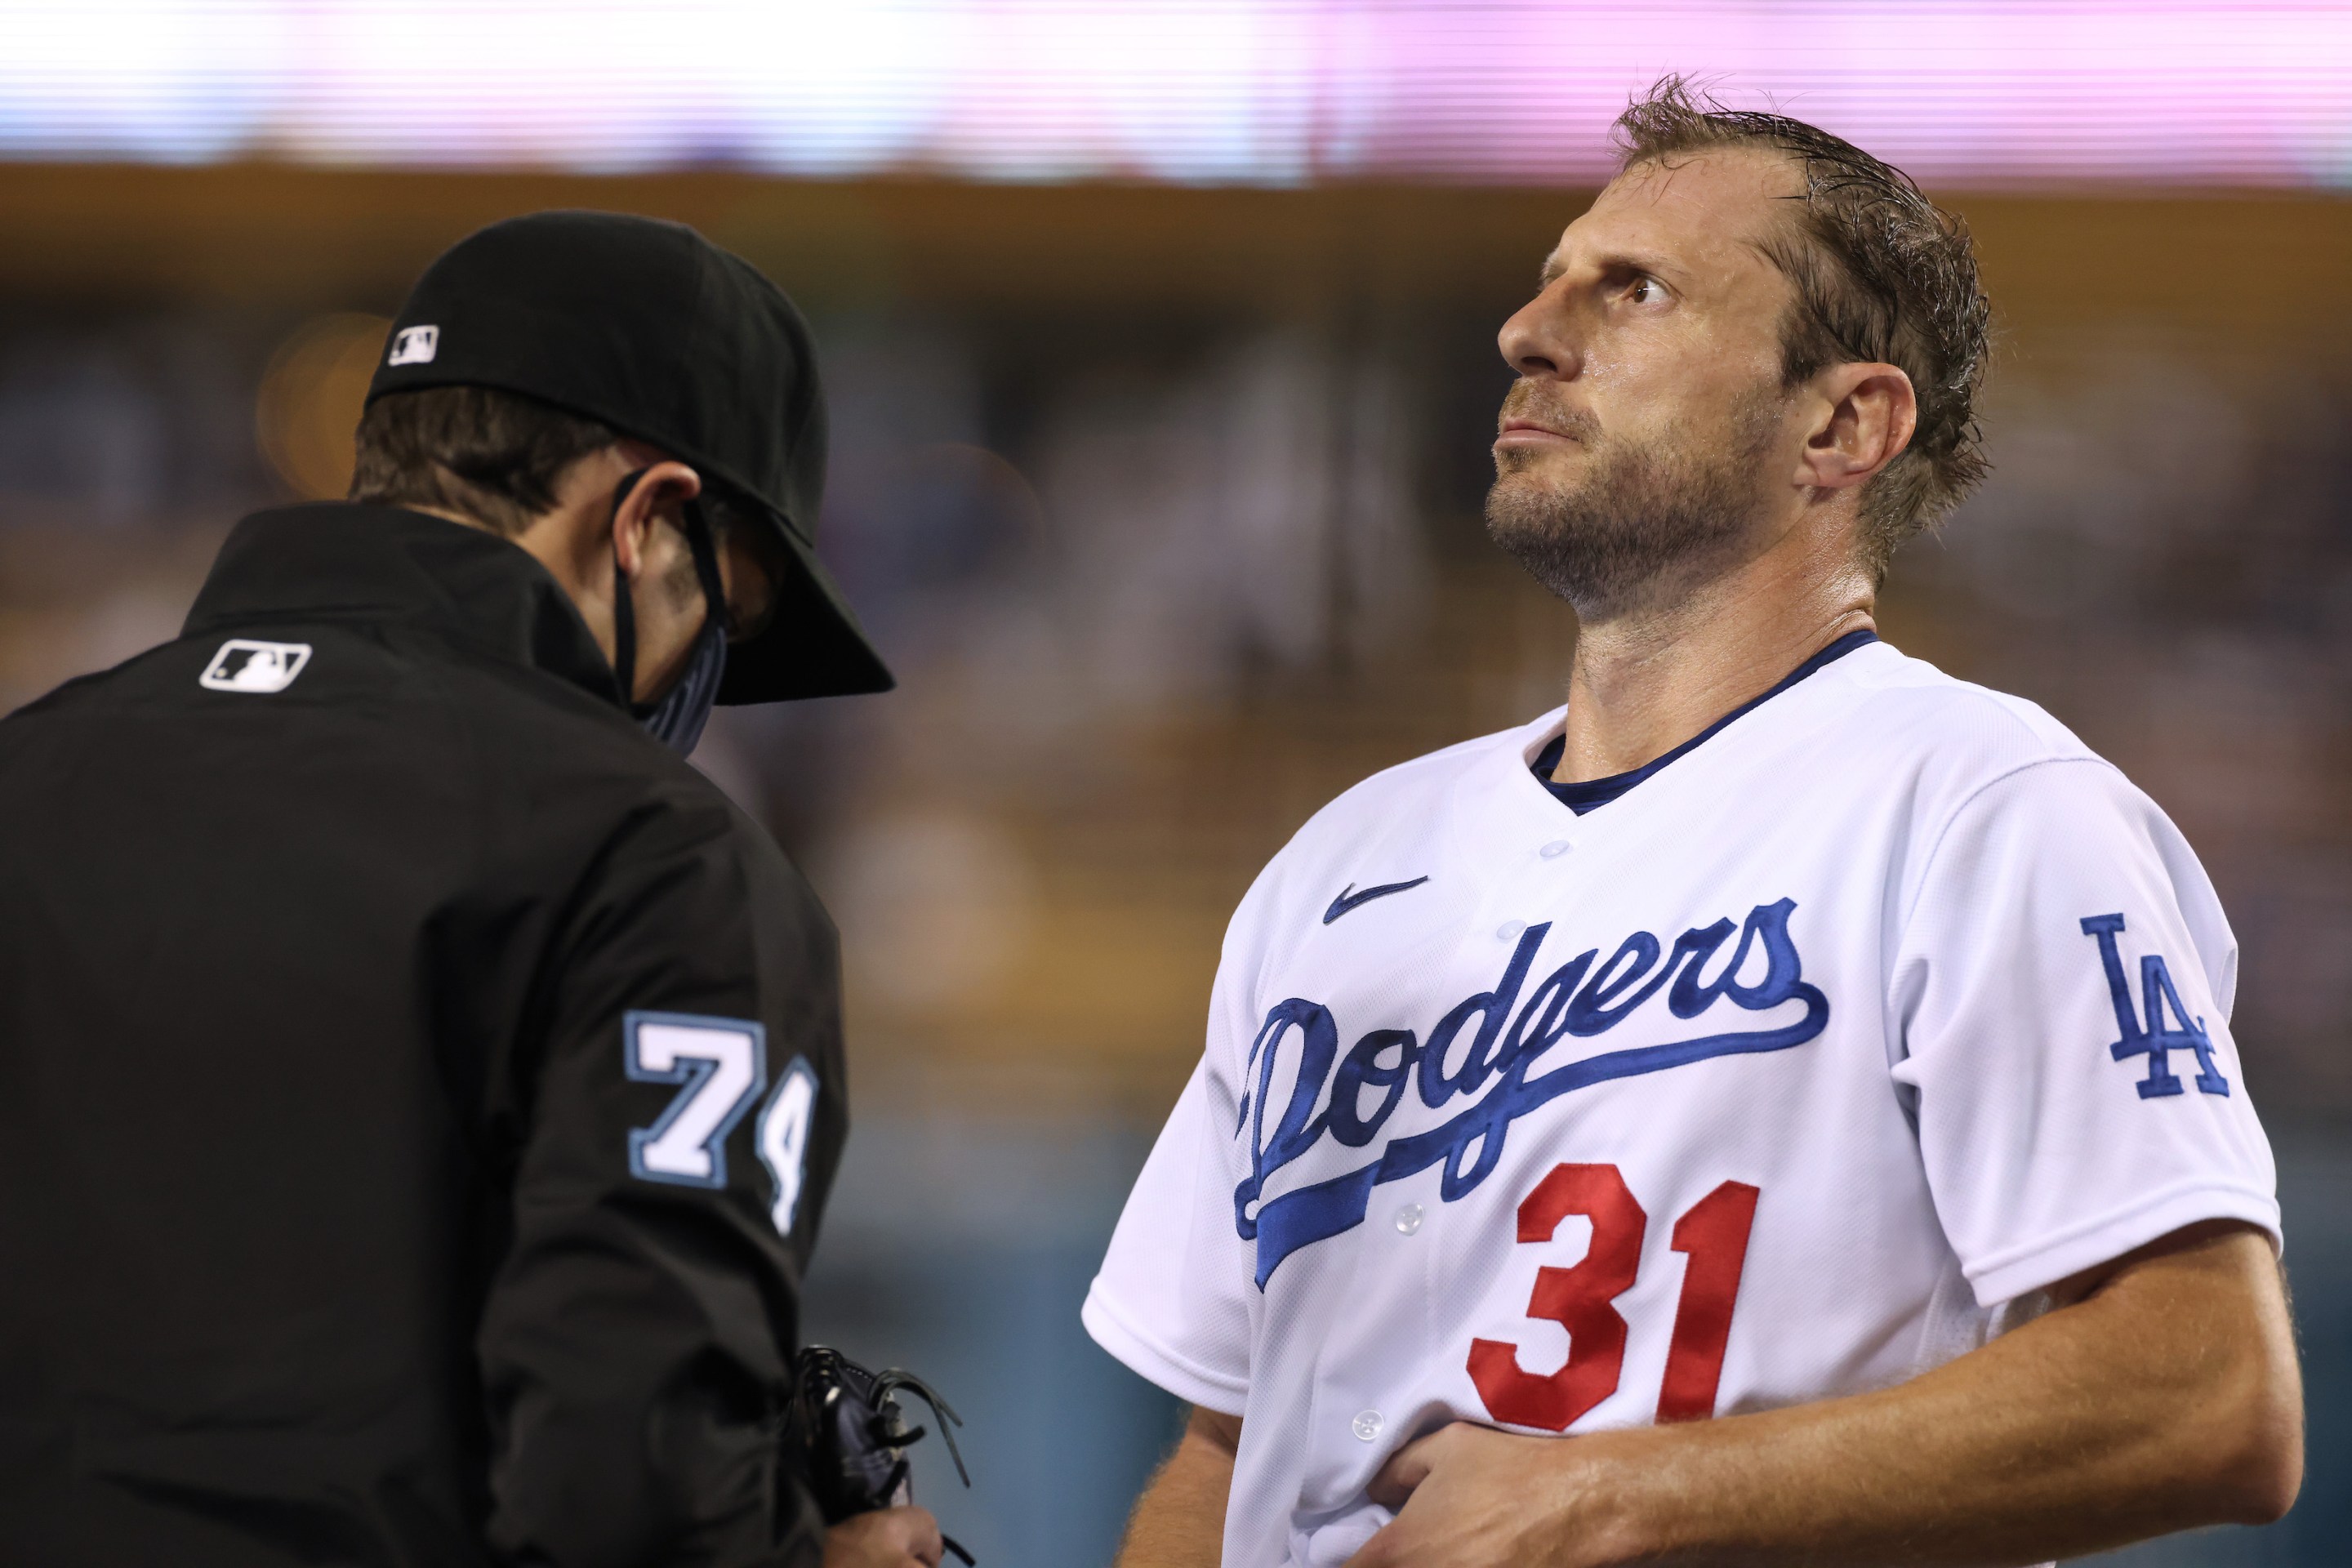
(1582,797)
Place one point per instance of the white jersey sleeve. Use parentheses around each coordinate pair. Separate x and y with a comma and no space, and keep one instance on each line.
(2059,1006)
(1175,1296)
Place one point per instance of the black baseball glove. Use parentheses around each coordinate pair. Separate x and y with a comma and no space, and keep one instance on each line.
(855,1437)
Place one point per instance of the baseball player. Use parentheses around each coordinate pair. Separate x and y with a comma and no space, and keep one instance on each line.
(419,1089)
(1798,1079)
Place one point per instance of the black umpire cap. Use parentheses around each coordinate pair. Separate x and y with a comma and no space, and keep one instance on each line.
(648,328)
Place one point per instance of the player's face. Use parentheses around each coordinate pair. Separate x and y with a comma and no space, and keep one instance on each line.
(1643,440)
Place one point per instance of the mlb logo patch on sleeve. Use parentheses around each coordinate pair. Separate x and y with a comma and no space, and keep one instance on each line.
(414,346)
(244,665)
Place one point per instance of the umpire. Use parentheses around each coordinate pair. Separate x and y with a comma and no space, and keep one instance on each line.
(418,1086)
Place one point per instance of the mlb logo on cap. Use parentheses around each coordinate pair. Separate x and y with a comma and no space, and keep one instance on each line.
(243,665)
(414,346)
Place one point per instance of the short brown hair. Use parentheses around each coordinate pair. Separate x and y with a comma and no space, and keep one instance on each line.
(495,456)
(1880,272)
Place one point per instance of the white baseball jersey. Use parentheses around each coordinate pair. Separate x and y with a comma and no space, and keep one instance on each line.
(1791,1071)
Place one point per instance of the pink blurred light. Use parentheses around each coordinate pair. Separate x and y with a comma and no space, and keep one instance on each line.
(1985,92)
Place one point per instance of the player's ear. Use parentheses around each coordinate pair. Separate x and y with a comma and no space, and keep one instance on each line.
(1869,412)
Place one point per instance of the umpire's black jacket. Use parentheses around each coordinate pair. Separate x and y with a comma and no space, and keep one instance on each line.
(418,1090)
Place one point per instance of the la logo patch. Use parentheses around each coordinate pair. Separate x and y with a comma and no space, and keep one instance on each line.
(2152,1039)
(244,664)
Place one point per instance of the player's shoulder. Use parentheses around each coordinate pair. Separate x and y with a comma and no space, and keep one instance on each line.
(1425,779)
(1383,825)
(1952,749)
(1904,715)
(1414,789)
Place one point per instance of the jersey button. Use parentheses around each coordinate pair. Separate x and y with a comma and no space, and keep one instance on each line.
(1555,849)
(1367,1425)
(1510,929)
(1408,1219)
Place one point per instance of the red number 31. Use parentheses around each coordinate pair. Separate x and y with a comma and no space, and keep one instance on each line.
(1713,1234)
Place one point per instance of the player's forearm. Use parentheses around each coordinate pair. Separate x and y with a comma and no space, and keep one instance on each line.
(2157,1403)
(1179,1521)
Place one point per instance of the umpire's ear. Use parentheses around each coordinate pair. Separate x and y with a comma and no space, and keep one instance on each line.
(648,527)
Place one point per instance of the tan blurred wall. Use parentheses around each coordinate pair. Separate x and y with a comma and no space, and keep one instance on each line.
(2267,264)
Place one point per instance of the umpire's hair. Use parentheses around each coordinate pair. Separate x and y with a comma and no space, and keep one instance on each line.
(1880,273)
(495,456)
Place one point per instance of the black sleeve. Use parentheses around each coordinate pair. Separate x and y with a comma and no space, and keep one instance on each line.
(683,1117)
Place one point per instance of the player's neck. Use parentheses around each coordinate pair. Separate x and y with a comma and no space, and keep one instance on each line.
(1645,680)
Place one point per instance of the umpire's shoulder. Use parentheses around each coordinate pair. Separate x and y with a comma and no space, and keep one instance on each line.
(673,805)
(562,773)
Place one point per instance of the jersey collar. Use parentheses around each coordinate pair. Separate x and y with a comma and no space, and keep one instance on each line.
(1585,795)
(350,561)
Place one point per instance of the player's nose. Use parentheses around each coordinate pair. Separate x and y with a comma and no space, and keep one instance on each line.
(1540,340)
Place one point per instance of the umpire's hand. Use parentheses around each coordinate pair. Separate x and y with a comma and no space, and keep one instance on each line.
(887,1538)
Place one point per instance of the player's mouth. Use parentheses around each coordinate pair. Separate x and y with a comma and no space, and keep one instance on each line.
(1528,433)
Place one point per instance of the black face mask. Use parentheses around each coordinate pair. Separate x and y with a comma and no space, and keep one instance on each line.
(675,721)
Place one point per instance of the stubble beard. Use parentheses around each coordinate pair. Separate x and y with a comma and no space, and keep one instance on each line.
(1646,520)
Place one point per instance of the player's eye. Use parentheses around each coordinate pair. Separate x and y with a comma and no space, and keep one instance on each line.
(1646,291)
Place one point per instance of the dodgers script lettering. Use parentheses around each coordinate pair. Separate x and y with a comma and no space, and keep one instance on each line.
(1575,1001)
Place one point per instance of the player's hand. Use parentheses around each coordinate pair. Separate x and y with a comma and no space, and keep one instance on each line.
(1471,1496)
(887,1538)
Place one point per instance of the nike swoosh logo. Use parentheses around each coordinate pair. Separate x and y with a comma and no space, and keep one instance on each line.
(1348,898)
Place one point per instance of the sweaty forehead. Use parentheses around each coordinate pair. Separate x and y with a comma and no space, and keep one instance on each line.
(1700,213)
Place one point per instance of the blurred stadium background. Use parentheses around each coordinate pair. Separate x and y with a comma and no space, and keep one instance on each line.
(1159,344)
